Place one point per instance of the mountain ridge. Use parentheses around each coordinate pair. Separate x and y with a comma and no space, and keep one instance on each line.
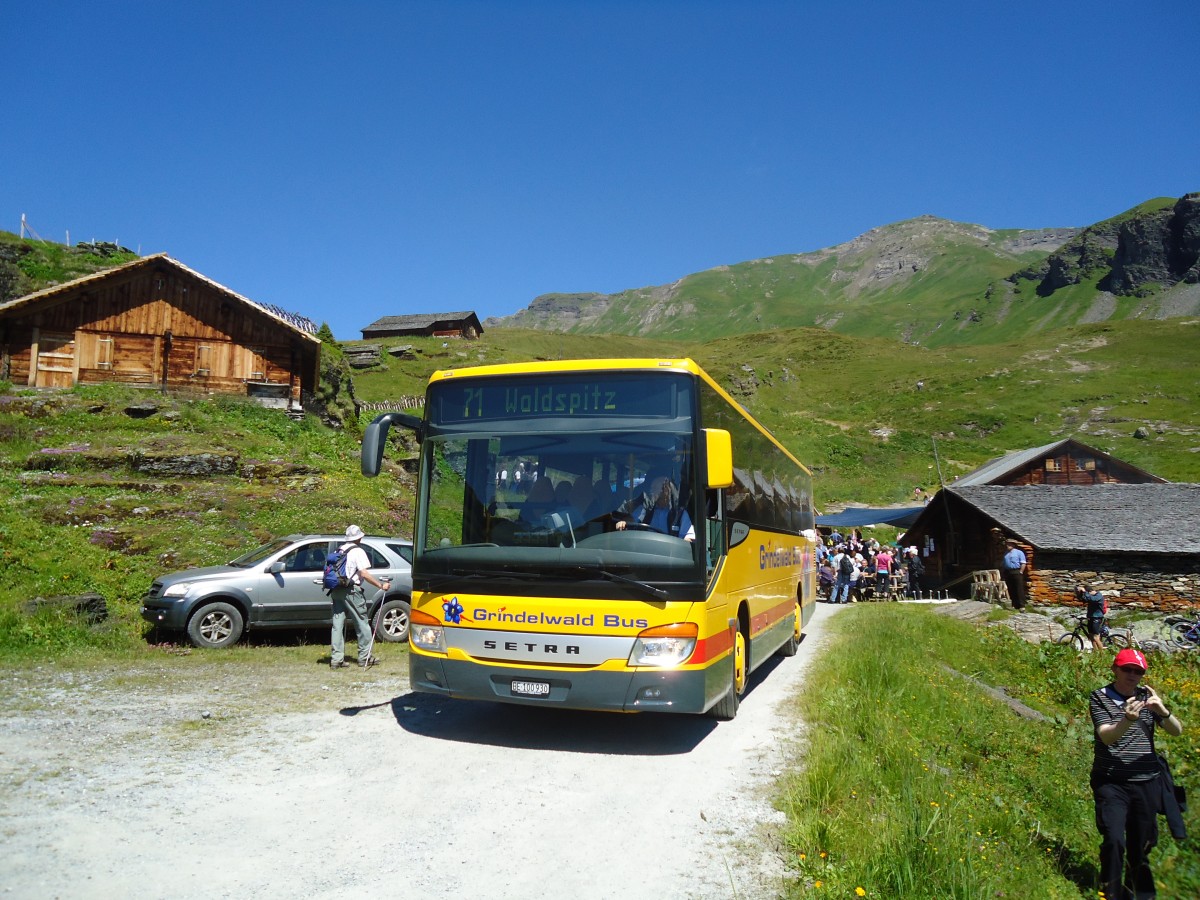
(923,280)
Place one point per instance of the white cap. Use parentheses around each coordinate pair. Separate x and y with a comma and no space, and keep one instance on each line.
(354,533)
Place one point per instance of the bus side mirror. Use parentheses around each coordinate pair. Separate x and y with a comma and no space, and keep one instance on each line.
(718,454)
(375,439)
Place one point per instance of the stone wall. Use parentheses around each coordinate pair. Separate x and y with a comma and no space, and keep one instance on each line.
(1161,582)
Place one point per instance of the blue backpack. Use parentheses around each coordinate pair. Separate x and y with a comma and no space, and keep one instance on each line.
(334,575)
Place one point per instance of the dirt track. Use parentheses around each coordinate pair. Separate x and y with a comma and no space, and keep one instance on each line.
(306,782)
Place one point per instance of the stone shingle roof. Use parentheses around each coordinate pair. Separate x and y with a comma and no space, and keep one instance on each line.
(1133,518)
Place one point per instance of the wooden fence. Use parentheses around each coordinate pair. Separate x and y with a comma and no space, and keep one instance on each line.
(389,405)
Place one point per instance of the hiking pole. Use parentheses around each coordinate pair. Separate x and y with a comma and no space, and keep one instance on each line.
(387,583)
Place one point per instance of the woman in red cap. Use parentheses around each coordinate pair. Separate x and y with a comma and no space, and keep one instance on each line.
(1126,778)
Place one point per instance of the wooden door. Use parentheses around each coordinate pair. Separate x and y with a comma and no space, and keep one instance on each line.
(55,360)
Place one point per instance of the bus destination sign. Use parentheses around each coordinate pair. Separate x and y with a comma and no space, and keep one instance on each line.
(476,400)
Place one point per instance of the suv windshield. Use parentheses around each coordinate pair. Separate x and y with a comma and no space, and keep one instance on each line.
(254,557)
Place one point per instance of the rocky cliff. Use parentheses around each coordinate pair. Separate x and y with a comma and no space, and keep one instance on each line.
(1160,249)
(1154,246)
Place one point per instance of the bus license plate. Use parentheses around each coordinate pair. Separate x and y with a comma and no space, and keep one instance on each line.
(531,688)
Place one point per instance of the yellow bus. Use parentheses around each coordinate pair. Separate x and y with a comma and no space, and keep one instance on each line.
(608,534)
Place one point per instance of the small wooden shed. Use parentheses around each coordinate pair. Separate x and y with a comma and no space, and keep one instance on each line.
(154,321)
(442,324)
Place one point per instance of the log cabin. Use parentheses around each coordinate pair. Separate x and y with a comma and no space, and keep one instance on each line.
(156,322)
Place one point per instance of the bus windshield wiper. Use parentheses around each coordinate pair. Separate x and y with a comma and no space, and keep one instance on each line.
(461,575)
(604,574)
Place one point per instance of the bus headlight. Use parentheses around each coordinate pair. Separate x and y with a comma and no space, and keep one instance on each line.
(426,632)
(665,645)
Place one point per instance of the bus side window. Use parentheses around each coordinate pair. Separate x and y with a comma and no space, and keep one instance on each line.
(714,528)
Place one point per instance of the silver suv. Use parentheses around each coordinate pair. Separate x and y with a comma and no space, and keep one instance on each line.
(278,585)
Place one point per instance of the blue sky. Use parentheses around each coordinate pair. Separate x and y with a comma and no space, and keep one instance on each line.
(352,160)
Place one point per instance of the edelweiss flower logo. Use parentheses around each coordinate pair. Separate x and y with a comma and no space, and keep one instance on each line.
(453,610)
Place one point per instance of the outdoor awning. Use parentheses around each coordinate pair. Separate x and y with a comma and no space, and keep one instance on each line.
(858,518)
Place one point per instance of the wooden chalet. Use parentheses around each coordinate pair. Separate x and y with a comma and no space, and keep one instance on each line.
(155,322)
(443,324)
(1063,462)
(1139,542)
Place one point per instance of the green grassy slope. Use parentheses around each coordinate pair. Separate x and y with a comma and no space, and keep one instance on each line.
(86,509)
(898,281)
(28,265)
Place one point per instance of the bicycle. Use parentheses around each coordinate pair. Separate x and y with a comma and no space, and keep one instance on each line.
(1149,645)
(1080,639)
(1185,632)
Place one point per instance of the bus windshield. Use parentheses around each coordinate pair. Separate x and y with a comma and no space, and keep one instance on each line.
(572,480)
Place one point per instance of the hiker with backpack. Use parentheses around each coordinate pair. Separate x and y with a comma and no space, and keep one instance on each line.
(351,567)
(843,564)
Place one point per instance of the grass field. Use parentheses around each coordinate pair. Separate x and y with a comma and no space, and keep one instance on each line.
(916,783)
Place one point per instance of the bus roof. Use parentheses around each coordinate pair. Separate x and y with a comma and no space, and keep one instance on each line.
(566,365)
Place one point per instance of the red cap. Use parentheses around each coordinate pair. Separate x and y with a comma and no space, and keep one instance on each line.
(1131,657)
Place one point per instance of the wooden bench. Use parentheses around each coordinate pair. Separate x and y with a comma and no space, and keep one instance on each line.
(988,586)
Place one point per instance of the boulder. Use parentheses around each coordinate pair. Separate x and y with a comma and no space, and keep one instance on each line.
(203,464)
(363,356)
(91,607)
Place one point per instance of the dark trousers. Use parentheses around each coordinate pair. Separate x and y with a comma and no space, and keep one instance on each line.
(1127,817)
(1016,587)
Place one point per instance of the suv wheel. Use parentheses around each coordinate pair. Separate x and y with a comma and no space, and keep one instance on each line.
(215,625)
(391,622)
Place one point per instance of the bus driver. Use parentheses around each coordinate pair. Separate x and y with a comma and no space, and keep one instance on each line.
(658,509)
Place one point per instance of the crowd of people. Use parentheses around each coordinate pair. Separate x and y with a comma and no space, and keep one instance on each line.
(850,569)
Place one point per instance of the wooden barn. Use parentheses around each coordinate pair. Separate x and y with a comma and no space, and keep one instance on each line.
(444,324)
(158,323)
(1140,542)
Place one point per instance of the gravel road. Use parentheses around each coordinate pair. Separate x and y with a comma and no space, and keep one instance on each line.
(186,777)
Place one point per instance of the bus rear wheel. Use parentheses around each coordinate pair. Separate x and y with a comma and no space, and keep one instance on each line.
(792,644)
(726,708)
